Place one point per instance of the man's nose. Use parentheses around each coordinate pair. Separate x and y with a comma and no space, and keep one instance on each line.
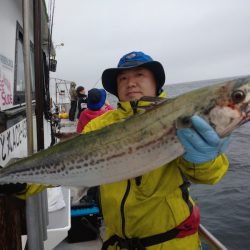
(131,82)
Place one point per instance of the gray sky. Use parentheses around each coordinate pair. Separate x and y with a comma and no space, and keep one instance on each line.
(193,39)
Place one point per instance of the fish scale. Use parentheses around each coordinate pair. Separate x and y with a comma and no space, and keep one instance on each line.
(138,145)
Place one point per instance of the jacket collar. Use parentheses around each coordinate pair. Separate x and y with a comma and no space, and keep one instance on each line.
(130,107)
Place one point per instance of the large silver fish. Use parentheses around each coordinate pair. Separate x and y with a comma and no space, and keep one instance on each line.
(139,144)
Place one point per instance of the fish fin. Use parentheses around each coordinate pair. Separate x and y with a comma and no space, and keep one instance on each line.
(13,160)
(154,101)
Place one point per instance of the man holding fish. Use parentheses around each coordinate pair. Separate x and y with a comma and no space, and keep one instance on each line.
(155,211)
(144,164)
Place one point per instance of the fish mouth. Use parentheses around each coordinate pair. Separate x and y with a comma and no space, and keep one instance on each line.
(246,114)
(244,118)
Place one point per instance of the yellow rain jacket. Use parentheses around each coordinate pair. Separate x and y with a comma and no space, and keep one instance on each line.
(158,201)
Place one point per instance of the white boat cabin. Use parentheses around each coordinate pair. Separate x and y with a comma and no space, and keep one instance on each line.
(13,124)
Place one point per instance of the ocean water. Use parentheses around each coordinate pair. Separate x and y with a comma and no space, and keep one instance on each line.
(225,207)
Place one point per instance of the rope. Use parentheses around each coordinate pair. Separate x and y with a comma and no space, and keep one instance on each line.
(96,82)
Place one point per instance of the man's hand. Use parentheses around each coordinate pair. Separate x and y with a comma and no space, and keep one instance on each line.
(201,142)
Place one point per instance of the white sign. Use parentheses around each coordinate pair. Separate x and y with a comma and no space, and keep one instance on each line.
(13,142)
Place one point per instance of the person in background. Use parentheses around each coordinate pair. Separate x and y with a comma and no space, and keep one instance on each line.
(82,100)
(95,102)
(73,101)
(155,211)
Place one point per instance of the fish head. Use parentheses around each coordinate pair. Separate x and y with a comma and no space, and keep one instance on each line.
(232,107)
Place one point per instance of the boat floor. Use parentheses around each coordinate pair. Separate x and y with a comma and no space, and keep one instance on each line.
(87,245)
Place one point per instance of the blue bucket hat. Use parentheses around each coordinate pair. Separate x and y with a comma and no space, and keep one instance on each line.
(96,98)
(129,61)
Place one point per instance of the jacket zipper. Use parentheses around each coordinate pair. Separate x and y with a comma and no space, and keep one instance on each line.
(122,207)
(134,108)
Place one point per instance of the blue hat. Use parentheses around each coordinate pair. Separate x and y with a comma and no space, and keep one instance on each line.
(96,98)
(129,61)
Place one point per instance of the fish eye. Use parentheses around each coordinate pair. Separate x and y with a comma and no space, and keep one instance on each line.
(238,96)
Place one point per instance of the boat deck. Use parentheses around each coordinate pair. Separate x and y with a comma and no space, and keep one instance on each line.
(87,245)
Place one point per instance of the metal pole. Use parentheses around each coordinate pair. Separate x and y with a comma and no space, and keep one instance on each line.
(210,239)
(45,214)
(32,214)
(39,86)
(27,76)
(56,91)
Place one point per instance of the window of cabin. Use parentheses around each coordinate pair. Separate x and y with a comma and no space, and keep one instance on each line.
(19,82)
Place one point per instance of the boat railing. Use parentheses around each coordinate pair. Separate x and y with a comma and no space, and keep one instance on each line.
(209,239)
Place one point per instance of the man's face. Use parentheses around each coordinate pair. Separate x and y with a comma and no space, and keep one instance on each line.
(132,84)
